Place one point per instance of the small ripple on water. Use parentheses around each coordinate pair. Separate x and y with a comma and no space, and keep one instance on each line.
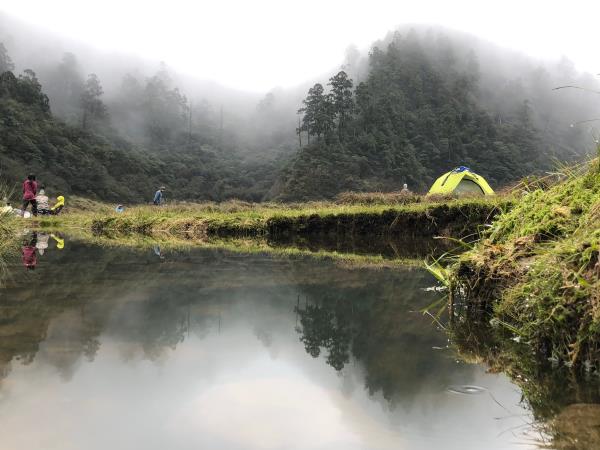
(467,389)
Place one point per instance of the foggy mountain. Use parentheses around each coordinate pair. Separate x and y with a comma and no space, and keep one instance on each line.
(421,101)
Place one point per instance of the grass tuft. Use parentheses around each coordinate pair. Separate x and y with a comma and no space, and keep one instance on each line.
(537,269)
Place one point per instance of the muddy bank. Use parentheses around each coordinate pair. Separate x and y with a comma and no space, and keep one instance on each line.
(460,220)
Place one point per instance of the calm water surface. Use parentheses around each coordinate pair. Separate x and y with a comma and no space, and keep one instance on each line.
(109,348)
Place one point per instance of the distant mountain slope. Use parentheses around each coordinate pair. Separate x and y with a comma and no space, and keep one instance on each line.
(418,114)
(68,159)
(65,158)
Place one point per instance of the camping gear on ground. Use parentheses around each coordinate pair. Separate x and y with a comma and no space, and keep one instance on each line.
(461,181)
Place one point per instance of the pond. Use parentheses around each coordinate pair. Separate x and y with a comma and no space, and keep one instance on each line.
(108,347)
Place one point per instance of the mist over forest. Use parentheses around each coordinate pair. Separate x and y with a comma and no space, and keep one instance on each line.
(417,103)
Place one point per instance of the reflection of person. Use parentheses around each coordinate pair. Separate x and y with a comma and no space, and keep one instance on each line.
(29,193)
(42,243)
(60,243)
(158,252)
(28,252)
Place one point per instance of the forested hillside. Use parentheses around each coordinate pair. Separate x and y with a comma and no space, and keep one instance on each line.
(421,102)
(418,114)
(90,158)
(67,159)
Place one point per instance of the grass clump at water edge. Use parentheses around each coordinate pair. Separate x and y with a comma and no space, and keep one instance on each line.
(537,271)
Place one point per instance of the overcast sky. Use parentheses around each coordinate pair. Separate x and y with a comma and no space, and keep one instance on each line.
(282,43)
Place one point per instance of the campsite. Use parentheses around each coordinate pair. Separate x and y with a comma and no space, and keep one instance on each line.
(330,226)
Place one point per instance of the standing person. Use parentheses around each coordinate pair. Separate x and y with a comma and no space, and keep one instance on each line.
(29,193)
(41,200)
(158,196)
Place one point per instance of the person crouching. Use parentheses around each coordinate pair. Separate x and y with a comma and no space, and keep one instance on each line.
(42,202)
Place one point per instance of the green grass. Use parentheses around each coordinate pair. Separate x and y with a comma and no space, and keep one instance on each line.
(10,227)
(240,218)
(538,272)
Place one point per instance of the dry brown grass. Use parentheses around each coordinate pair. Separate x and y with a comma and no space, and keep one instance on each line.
(377,198)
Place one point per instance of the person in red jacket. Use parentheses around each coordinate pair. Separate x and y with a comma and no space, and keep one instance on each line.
(29,193)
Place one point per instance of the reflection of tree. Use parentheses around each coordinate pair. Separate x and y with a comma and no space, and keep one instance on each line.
(163,325)
(565,402)
(377,325)
(323,327)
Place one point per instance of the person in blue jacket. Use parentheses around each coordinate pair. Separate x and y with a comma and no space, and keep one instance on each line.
(158,196)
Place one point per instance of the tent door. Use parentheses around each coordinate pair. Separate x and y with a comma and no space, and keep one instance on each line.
(468,187)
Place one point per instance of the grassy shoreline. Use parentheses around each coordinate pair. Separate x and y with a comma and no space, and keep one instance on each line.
(536,273)
(457,218)
(9,231)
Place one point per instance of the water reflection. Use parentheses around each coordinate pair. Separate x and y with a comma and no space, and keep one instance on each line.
(387,246)
(28,251)
(117,348)
(565,404)
(35,243)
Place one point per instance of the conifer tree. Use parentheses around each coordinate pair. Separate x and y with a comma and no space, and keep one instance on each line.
(341,100)
(91,103)
(6,64)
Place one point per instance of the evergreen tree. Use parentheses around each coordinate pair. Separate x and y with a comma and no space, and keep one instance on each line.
(92,106)
(26,89)
(31,89)
(341,100)
(165,109)
(65,87)
(6,64)
(318,112)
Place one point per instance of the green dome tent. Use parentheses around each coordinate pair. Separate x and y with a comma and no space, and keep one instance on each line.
(461,181)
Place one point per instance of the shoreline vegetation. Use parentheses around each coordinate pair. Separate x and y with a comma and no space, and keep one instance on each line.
(376,230)
(9,232)
(535,276)
(380,215)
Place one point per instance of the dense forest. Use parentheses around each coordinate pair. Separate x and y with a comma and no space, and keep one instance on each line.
(414,117)
(419,103)
(90,158)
